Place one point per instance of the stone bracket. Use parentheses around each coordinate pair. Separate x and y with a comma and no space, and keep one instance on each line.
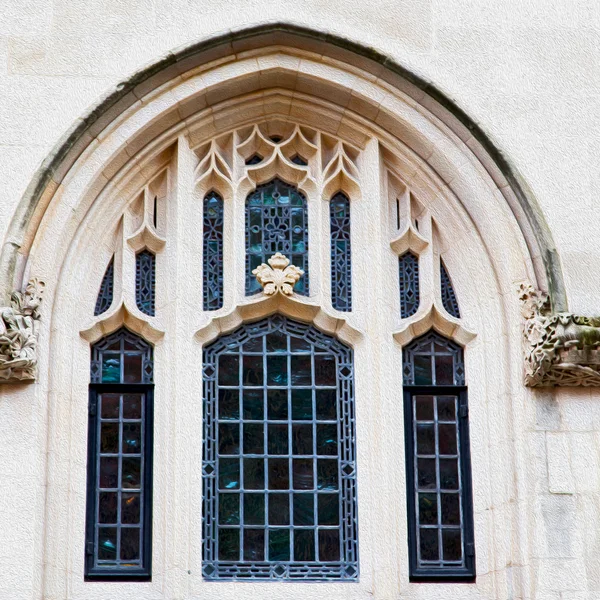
(560,349)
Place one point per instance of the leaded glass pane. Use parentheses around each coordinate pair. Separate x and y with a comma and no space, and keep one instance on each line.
(105,295)
(279,460)
(213,252)
(409,284)
(145,279)
(276,221)
(341,267)
(449,299)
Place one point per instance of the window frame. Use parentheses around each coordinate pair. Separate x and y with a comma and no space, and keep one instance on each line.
(466,574)
(92,573)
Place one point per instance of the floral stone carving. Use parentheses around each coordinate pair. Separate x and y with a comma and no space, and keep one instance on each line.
(278,275)
(560,349)
(18,333)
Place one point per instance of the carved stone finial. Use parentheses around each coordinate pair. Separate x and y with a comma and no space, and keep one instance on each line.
(280,276)
(560,349)
(18,333)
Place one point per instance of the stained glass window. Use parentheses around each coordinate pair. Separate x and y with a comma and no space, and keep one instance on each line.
(279,465)
(276,221)
(119,495)
(409,284)
(440,506)
(341,267)
(145,280)
(105,295)
(449,299)
(213,251)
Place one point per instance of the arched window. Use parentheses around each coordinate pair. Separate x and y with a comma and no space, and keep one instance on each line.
(145,279)
(449,299)
(341,263)
(105,294)
(119,486)
(410,295)
(438,469)
(213,251)
(276,221)
(279,460)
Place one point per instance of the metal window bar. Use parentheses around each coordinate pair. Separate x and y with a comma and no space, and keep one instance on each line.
(213,252)
(279,428)
(276,221)
(341,265)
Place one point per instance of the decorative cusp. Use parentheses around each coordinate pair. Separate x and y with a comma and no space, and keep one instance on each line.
(278,275)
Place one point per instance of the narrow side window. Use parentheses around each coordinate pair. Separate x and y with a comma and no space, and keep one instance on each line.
(105,294)
(145,280)
(449,299)
(438,466)
(341,265)
(409,284)
(213,252)
(119,486)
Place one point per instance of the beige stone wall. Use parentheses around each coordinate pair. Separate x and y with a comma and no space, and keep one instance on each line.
(528,74)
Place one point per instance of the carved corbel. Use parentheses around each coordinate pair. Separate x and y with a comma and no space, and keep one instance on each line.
(560,349)
(278,276)
(19,325)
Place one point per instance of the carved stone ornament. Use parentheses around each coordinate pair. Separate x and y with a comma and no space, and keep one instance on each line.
(280,276)
(560,349)
(18,333)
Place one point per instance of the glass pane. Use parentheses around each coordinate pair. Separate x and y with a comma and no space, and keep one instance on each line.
(277,405)
(109,438)
(303,473)
(444,373)
(254,544)
(302,404)
(253,404)
(302,439)
(424,406)
(229,369)
(132,371)
(428,513)
(447,439)
(299,345)
(425,439)
(326,401)
(254,474)
(229,438)
(426,474)
(422,370)
(229,473)
(132,406)
(304,509)
(107,507)
(450,509)
(254,438)
(429,544)
(229,509)
(449,473)
(446,408)
(451,542)
(252,373)
(110,406)
(279,474)
(277,370)
(327,474)
(132,438)
(254,509)
(329,509)
(279,544)
(229,404)
(279,509)
(130,508)
(304,544)
(276,342)
(111,368)
(301,370)
(131,473)
(107,543)
(329,544)
(254,344)
(278,439)
(327,439)
(130,543)
(109,472)
(325,370)
(229,544)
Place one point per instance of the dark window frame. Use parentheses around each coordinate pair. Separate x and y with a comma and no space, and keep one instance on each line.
(449,574)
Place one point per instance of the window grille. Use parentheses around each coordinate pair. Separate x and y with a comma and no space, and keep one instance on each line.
(449,299)
(279,466)
(213,251)
(409,284)
(341,266)
(145,280)
(276,221)
(440,506)
(119,487)
(105,295)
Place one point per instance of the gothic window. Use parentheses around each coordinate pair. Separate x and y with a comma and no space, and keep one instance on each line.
(276,221)
(105,295)
(119,486)
(341,266)
(409,284)
(449,299)
(213,251)
(279,461)
(438,472)
(145,276)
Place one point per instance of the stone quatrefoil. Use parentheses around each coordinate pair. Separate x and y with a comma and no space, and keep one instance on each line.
(278,276)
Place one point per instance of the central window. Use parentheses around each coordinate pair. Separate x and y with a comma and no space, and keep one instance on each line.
(279,460)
